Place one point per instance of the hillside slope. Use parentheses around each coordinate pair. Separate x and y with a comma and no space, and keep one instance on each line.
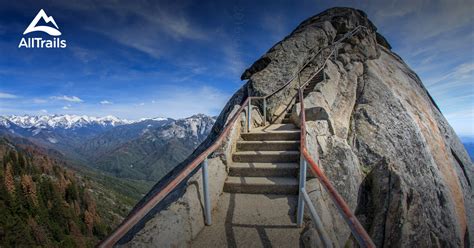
(154,151)
(43,203)
(111,197)
(143,150)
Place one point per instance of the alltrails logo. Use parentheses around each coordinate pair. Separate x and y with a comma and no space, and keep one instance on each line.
(38,42)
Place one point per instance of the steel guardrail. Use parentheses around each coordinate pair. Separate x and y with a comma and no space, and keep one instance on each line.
(357,230)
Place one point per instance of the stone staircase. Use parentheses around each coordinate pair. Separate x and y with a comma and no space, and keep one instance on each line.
(266,161)
(307,89)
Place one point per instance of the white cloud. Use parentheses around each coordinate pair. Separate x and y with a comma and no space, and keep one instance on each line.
(179,102)
(44,111)
(67,98)
(104,102)
(155,30)
(66,107)
(418,20)
(234,64)
(454,94)
(464,71)
(275,25)
(462,75)
(176,24)
(83,54)
(39,101)
(4,95)
(169,101)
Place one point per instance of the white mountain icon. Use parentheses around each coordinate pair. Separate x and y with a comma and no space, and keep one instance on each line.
(49,30)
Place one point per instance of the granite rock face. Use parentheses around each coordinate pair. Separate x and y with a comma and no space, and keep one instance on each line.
(282,62)
(377,134)
(373,128)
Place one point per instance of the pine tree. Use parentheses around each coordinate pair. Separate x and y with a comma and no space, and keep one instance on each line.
(8,179)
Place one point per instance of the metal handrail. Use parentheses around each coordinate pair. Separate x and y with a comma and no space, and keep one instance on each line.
(357,229)
(131,220)
(297,74)
(294,76)
(333,50)
(137,215)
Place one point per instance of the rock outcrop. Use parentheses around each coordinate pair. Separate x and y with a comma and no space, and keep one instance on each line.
(378,135)
(375,130)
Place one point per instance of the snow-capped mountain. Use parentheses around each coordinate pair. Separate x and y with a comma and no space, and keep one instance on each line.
(141,149)
(61,121)
(4,122)
(195,126)
(154,149)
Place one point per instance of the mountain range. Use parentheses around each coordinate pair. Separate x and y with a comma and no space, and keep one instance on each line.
(144,149)
(116,160)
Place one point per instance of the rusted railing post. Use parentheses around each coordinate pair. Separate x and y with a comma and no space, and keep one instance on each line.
(249,115)
(264,111)
(302,183)
(205,189)
(318,224)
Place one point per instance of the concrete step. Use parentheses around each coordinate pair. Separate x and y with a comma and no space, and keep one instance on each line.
(266,156)
(264,169)
(252,220)
(263,136)
(276,128)
(286,121)
(268,145)
(261,185)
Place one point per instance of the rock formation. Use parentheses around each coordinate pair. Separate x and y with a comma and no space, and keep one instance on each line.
(373,127)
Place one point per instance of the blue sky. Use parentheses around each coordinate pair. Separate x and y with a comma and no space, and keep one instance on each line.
(137,59)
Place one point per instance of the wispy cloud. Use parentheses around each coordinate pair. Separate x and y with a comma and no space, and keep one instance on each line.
(39,101)
(462,75)
(419,20)
(104,102)
(154,30)
(454,93)
(435,39)
(4,95)
(233,59)
(67,98)
(168,101)
(275,25)
(83,54)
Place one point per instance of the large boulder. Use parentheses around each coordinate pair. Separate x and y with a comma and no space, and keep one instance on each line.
(283,61)
(372,127)
(385,145)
